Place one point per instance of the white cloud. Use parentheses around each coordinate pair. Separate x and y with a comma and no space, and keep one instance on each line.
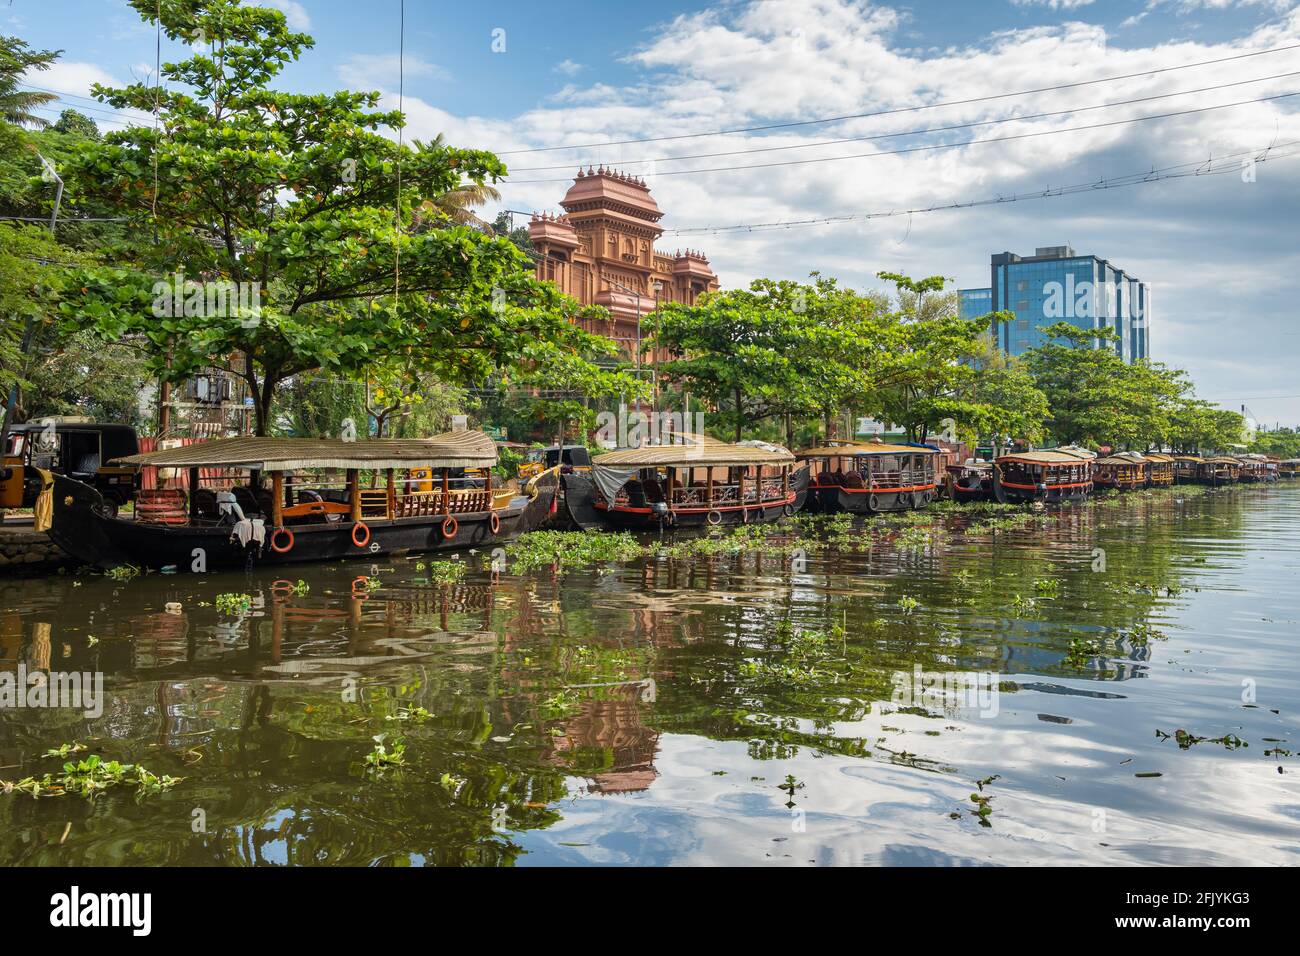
(1053,4)
(788,60)
(568,67)
(295,14)
(371,71)
(69,76)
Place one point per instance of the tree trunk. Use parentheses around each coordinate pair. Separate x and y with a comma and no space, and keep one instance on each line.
(739,416)
(264,407)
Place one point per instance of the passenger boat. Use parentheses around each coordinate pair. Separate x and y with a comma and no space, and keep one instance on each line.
(1190,470)
(972,480)
(1221,470)
(1160,473)
(1050,475)
(1256,468)
(871,477)
(436,495)
(1289,468)
(695,481)
(1123,471)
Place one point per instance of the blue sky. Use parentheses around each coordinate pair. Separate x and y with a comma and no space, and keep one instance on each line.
(1219,252)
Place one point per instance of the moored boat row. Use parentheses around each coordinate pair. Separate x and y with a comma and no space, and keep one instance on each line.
(241,502)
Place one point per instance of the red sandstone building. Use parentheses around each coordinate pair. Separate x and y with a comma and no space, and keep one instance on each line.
(601,251)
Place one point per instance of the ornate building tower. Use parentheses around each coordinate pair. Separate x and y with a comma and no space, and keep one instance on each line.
(601,251)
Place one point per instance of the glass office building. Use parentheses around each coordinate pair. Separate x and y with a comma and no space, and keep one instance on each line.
(975,303)
(1056,285)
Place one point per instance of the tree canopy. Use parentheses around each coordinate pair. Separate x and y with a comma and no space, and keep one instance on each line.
(287,229)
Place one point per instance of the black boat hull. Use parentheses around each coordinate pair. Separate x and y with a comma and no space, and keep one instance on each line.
(1048,494)
(861,501)
(83,529)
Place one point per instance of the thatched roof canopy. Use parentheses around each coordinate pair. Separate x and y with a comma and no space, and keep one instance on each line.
(462,449)
(694,451)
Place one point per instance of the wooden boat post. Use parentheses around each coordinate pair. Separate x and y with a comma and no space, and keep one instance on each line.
(277,499)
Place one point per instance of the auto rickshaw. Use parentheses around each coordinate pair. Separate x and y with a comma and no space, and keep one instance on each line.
(77,450)
(571,457)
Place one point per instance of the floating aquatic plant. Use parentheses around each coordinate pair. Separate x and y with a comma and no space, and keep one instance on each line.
(89,776)
(446,572)
(234,604)
(381,758)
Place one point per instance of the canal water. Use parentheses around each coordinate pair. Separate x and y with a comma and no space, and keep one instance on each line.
(1114,683)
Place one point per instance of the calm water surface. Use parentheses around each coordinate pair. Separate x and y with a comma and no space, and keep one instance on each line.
(660,711)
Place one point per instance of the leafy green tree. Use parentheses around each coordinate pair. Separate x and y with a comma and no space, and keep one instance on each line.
(931,374)
(32,274)
(84,375)
(1002,398)
(840,342)
(1086,386)
(733,350)
(519,235)
(17,105)
(73,123)
(778,349)
(293,201)
(1282,442)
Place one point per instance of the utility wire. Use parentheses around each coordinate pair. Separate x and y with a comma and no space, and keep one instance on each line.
(903,109)
(1229,162)
(107,111)
(88,99)
(938,146)
(924,130)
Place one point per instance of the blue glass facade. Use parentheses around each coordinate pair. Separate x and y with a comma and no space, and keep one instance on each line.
(1056,285)
(975,303)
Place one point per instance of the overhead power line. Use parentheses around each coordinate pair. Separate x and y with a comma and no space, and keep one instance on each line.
(938,146)
(623,164)
(1212,166)
(902,109)
(74,102)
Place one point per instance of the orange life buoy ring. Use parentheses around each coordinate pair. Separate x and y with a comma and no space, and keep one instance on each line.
(360,534)
(275,535)
(494,523)
(454,525)
(364,582)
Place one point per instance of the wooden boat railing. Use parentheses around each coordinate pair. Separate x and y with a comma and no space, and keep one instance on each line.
(172,506)
(431,503)
(897,480)
(905,479)
(719,493)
